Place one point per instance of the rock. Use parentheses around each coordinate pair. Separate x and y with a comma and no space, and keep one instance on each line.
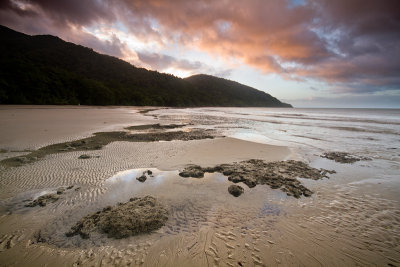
(149,172)
(192,171)
(141,178)
(43,200)
(307,193)
(137,216)
(235,190)
(22,160)
(343,157)
(278,175)
(227,172)
(250,183)
(60,190)
(212,169)
(84,156)
(235,178)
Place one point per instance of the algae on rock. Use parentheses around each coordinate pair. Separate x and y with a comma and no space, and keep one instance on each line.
(137,216)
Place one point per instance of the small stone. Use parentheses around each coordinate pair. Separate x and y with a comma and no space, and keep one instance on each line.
(84,156)
(307,193)
(60,190)
(141,178)
(235,190)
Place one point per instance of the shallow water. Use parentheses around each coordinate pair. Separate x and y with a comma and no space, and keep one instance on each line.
(193,203)
(373,133)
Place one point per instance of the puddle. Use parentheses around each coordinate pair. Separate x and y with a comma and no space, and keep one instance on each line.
(192,204)
(168,186)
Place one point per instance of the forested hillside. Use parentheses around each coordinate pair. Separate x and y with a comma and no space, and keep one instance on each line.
(44,69)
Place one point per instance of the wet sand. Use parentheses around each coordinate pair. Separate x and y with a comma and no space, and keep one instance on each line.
(31,127)
(337,226)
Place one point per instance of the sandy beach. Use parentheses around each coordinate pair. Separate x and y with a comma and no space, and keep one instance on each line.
(338,225)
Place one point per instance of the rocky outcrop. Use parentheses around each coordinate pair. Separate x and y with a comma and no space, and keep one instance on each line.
(278,175)
(137,216)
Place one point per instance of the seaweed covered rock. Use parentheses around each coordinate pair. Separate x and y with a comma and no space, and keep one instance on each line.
(43,200)
(137,216)
(235,190)
(343,157)
(141,178)
(192,171)
(278,174)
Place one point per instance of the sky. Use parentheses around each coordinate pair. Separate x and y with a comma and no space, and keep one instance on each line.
(309,53)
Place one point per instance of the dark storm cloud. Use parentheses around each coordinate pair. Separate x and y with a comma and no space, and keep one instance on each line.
(75,11)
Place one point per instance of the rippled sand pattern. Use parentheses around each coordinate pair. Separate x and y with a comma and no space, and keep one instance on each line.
(66,169)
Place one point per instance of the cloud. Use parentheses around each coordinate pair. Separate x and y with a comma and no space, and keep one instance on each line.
(65,19)
(164,62)
(389,100)
(353,44)
(73,11)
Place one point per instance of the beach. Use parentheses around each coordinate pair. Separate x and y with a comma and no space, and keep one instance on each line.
(351,215)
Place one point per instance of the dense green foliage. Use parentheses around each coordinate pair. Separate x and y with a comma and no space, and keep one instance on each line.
(44,69)
(223,92)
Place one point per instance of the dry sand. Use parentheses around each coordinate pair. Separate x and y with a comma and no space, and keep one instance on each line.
(207,226)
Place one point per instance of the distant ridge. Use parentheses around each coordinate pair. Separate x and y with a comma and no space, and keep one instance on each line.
(233,92)
(44,69)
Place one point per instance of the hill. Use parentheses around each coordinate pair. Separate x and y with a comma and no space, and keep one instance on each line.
(44,69)
(231,93)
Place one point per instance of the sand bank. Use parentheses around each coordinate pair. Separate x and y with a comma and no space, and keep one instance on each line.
(31,127)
